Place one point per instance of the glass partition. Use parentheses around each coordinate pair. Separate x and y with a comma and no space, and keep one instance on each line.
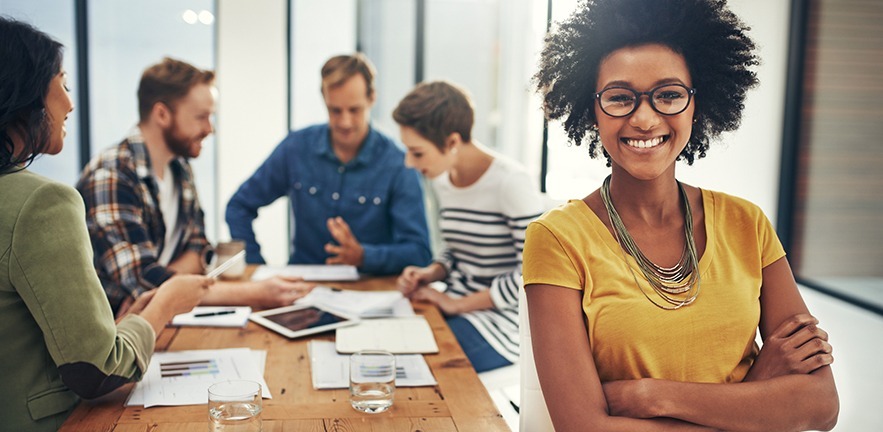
(57,20)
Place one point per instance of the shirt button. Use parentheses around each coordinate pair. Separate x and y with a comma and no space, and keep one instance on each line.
(313,190)
(376,200)
(341,169)
(362,200)
(298,186)
(335,196)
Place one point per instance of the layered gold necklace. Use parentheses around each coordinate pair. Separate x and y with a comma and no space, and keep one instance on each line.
(677,286)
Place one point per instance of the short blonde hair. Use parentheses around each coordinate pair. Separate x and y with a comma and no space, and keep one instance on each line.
(337,70)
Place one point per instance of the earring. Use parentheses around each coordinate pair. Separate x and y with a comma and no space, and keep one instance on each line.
(695,120)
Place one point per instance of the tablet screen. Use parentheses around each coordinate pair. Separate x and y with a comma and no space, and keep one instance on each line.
(304,318)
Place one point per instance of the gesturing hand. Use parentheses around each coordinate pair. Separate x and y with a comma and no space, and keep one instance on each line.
(348,249)
(797,346)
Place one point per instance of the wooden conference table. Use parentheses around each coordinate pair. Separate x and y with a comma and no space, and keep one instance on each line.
(459,402)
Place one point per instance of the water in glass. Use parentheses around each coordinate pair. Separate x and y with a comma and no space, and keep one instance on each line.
(234,417)
(372,397)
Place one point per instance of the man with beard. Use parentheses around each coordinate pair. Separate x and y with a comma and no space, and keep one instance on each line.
(142,208)
(353,201)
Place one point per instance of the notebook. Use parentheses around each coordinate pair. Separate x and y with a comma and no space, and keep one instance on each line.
(405,335)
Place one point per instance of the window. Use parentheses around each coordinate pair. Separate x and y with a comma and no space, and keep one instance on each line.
(127,37)
(57,20)
(837,239)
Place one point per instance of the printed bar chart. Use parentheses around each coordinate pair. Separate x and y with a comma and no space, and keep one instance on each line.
(188,368)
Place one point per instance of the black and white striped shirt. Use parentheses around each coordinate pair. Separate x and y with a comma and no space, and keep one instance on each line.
(483,226)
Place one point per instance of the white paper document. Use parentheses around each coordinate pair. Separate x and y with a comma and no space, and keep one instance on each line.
(310,272)
(183,377)
(364,304)
(405,335)
(331,370)
(214,316)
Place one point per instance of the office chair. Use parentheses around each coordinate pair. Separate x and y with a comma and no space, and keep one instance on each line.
(533,414)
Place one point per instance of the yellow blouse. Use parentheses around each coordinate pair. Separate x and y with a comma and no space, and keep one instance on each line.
(711,340)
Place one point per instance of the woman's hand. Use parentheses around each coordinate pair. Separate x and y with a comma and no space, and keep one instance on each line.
(629,398)
(180,294)
(413,278)
(447,304)
(134,306)
(177,295)
(141,302)
(797,346)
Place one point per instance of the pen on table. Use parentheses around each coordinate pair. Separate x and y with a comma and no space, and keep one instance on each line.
(208,314)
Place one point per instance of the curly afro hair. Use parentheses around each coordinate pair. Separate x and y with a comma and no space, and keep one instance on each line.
(713,41)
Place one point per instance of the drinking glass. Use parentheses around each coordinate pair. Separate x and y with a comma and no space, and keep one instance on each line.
(372,381)
(235,406)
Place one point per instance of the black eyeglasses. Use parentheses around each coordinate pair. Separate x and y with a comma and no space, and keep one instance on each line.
(668,99)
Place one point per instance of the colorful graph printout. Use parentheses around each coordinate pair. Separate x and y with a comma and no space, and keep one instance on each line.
(183,377)
(187,368)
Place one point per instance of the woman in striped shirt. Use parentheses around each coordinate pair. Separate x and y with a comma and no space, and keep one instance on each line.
(485,202)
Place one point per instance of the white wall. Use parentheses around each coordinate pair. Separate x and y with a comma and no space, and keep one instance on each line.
(252,108)
(746,163)
(320,30)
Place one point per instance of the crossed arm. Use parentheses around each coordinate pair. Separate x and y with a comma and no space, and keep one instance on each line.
(790,386)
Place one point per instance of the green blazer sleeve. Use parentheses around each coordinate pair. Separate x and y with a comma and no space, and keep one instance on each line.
(51,268)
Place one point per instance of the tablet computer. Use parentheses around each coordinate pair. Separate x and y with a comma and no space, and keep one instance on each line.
(302,320)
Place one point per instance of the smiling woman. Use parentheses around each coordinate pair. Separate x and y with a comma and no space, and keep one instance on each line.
(58,106)
(58,333)
(648,287)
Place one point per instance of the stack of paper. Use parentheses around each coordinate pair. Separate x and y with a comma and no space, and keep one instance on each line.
(406,335)
(214,316)
(183,377)
(364,304)
(310,272)
(331,370)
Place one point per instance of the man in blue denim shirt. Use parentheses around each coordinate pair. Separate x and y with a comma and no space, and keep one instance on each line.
(354,201)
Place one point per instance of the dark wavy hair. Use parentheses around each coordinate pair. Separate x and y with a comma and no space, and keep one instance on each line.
(713,41)
(30,60)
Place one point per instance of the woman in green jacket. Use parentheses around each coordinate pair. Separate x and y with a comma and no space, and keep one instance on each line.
(59,339)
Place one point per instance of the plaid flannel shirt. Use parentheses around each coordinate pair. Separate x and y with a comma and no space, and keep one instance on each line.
(125,221)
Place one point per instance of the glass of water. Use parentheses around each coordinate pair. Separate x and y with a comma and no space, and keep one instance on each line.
(372,381)
(235,406)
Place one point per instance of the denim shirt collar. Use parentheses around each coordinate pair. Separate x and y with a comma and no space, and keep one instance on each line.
(367,151)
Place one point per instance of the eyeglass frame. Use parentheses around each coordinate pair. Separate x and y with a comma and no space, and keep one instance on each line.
(691,91)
